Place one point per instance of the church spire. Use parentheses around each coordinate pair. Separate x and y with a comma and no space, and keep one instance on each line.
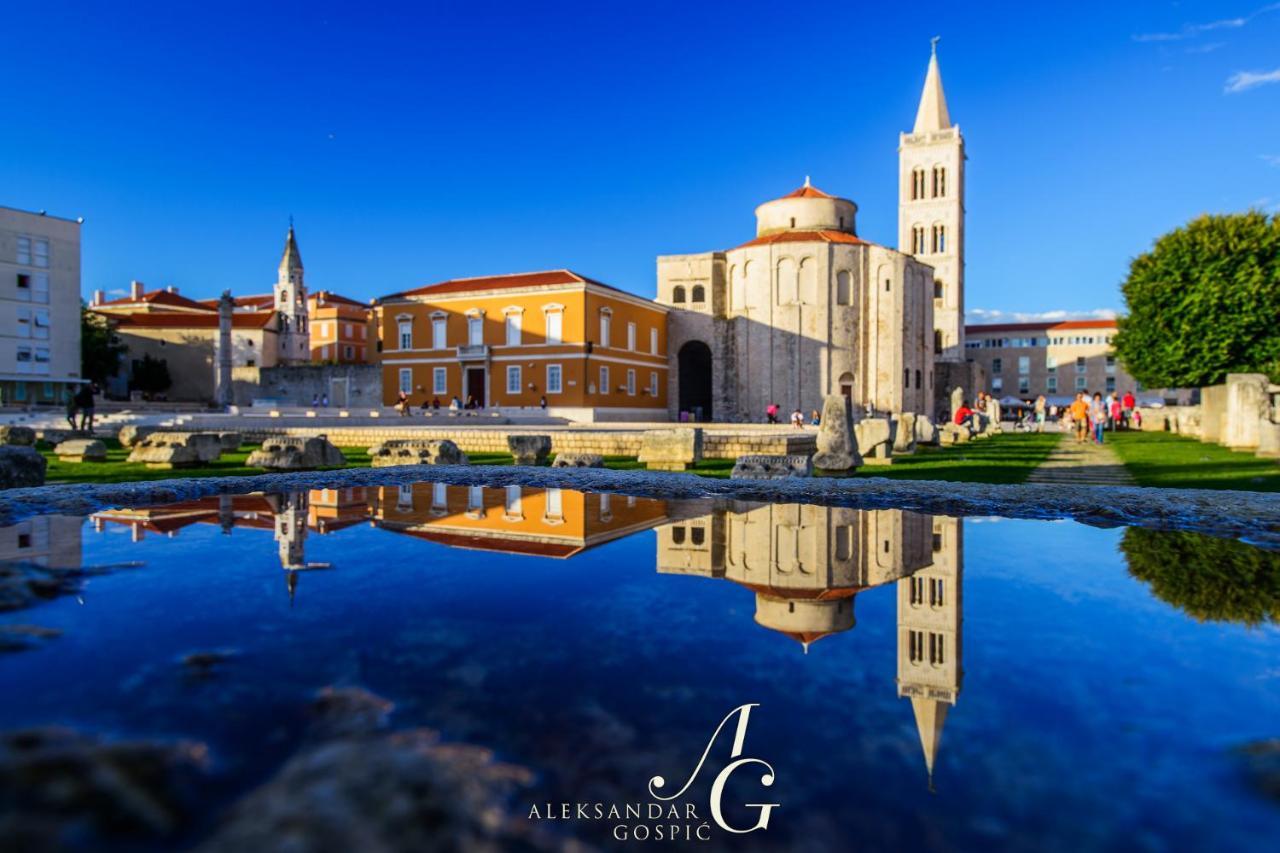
(930,716)
(292,258)
(932,114)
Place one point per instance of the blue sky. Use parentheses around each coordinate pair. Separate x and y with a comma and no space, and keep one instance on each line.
(418,143)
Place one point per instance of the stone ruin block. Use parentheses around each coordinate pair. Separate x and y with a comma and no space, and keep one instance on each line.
(875,440)
(578,460)
(1268,439)
(949,434)
(21,467)
(81,450)
(134,433)
(673,449)
(230,440)
(926,432)
(18,436)
(529,449)
(296,453)
(837,449)
(772,467)
(177,449)
(904,432)
(417,451)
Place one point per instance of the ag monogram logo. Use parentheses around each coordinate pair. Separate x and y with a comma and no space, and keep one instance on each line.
(743,713)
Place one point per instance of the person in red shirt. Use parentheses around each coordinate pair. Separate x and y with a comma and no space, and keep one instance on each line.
(1127,405)
(963,415)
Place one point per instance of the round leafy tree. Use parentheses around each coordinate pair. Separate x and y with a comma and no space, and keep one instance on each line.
(1203,303)
(1213,580)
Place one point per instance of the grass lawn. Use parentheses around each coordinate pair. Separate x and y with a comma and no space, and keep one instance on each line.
(1171,461)
(1006,458)
(117,470)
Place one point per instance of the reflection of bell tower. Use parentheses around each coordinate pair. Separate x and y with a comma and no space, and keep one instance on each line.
(291,530)
(929,636)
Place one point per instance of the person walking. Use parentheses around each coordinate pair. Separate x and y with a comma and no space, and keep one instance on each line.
(71,406)
(402,404)
(84,402)
(771,413)
(1117,413)
(1127,405)
(1079,412)
(1098,412)
(1040,411)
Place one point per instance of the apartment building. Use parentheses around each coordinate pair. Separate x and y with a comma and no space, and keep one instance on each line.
(39,307)
(1025,360)
(340,329)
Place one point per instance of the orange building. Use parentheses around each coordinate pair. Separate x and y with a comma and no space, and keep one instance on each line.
(515,519)
(340,328)
(593,352)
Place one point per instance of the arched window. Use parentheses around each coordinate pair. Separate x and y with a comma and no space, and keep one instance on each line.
(917,380)
(917,183)
(677,535)
(699,293)
(939,242)
(917,240)
(677,294)
(937,341)
(842,287)
(939,181)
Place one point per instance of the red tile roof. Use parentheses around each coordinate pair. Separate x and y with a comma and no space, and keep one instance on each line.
(805,237)
(257,300)
(158,297)
(180,320)
(546,278)
(487,543)
(329,296)
(1052,326)
(808,191)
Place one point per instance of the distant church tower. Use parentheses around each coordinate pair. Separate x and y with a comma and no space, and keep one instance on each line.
(930,623)
(931,208)
(291,305)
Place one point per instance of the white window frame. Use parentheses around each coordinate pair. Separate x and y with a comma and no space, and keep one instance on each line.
(475,330)
(40,287)
(24,250)
(439,332)
(406,380)
(555,505)
(606,326)
(439,495)
(404,330)
(631,337)
(653,385)
(512,503)
(515,381)
(604,379)
(22,315)
(514,323)
(631,381)
(439,380)
(653,341)
(555,372)
(555,325)
(40,253)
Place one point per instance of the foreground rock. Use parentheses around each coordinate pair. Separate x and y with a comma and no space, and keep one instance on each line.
(21,467)
(529,449)
(177,449)
(296,453)
(772,467)
(359,787)
(81,450)
(837,450)
(578,460)
(674,449)
(416,451)
(61,789)
(17,435)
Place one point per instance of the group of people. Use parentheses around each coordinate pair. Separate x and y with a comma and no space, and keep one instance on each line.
(773,413)
(80,405)
(405,407)
(1092,417)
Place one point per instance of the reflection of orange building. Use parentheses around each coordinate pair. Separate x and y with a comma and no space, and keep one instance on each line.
(511,340)
(328,510)
(516,519)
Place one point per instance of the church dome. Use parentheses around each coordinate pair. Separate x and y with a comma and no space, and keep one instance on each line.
(805,619)
(806,209)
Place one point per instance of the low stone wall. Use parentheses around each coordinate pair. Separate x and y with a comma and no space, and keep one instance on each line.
(346,385)
(717,444)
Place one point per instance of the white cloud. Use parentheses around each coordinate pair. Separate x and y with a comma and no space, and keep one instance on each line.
(1192,30)
(1271,159)
(1207,48)
(1242,81)
(995,315)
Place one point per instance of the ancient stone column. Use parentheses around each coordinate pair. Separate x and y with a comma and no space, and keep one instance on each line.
(222,361)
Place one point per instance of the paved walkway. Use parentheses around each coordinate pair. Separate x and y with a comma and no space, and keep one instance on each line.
(1086,464)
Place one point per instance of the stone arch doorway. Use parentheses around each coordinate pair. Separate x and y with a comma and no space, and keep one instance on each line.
(695,379)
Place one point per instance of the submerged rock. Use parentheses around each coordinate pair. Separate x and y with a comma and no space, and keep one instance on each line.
(60,788)
(21,467)
(1262,766)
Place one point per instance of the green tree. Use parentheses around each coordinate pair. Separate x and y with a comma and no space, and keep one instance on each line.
(100,350)
(150,375)
(1203,303)
(1213,580)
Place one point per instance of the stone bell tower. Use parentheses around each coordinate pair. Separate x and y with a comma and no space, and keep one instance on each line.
(291,305)
(931,208)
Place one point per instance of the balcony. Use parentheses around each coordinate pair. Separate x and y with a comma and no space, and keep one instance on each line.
(473,352)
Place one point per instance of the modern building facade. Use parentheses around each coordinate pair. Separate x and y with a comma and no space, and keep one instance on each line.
(593,352)
(1026,360)
(39,307)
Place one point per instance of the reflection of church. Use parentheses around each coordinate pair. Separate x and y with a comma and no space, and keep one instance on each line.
(806,565)
(556,523)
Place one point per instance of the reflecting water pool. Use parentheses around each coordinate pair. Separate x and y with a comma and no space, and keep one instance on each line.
(465,666)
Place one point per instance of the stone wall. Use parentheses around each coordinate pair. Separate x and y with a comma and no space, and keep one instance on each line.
(717,444)
(346,385)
